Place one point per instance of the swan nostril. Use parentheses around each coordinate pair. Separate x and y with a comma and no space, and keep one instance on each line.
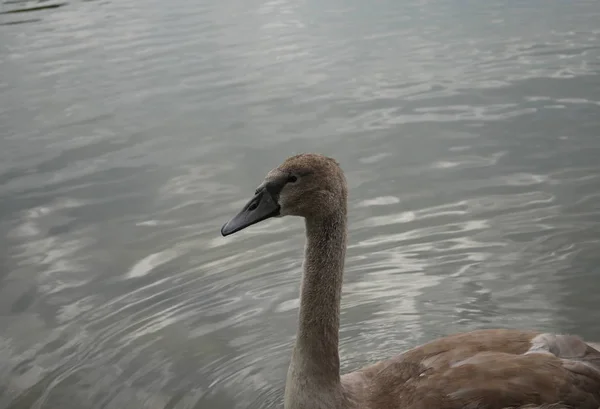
(253,206)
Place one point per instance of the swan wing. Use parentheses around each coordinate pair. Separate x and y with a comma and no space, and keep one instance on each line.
(487,369)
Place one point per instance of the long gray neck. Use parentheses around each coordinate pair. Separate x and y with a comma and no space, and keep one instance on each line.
(316,355)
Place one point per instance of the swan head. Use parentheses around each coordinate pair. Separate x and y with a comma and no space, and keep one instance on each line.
(308,185)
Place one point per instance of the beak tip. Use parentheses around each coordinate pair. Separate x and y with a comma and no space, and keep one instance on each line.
(224,231)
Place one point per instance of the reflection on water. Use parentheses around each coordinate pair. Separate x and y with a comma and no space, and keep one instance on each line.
(468,132)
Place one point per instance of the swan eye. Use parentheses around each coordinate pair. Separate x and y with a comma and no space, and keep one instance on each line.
(292,179)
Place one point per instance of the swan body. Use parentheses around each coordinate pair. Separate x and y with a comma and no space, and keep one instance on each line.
(485,369)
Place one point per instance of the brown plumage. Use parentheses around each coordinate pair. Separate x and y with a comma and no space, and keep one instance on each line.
(487,369)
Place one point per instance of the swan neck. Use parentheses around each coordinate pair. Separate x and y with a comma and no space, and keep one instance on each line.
(316,353)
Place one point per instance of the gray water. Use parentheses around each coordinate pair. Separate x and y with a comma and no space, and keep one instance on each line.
(130,131)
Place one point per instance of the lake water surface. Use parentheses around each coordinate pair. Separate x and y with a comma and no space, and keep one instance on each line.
(131,131)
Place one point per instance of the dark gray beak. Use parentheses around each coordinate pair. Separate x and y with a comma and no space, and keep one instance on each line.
(261,207)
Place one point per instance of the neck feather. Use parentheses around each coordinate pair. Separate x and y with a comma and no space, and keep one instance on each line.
(316,352)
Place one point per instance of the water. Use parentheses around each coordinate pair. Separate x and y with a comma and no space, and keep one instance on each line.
(130,131)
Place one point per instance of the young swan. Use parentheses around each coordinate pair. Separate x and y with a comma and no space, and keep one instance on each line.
(486,369)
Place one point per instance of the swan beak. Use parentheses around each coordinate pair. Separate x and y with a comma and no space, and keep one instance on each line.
(261,207)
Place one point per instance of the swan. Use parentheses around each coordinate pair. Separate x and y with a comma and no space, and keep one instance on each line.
(482,369)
